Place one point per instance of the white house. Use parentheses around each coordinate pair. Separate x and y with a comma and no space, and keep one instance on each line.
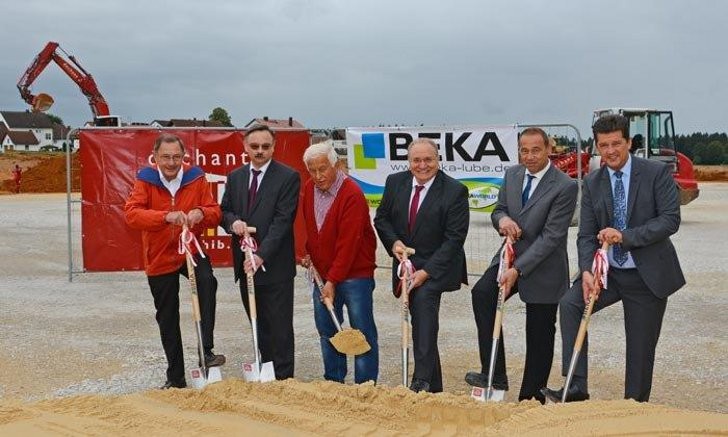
(47,133)
(14,140)
(19,123)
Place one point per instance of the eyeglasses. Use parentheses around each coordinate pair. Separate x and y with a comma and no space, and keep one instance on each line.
(167,158)
(427,161)
(264,146)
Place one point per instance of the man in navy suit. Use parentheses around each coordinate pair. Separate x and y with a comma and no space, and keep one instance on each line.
(264,194)
(631,203)
(427,210)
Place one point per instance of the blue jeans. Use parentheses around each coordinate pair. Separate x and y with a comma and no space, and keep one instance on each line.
(356,294)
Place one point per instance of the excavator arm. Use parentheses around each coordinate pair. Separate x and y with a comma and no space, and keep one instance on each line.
(72,68)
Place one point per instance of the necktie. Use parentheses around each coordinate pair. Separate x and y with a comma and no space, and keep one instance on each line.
(253,190)
(620,217)
(414,206)
(527,190)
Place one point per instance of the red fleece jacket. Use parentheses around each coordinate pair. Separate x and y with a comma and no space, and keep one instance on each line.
(148,205)
(345,248)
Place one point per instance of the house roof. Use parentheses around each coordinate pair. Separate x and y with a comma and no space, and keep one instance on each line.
(60,132)
(21,138)
(27,120)
(275,122)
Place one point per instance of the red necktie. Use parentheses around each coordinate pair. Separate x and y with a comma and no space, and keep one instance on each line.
(414,206)
(253,190)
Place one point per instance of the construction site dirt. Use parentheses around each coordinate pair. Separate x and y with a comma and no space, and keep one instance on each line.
(97,336)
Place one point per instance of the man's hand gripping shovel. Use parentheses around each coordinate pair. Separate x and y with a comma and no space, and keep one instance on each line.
(600,268)
(405,272)
(257,371)
(507,257)
(347,341)
(201,376)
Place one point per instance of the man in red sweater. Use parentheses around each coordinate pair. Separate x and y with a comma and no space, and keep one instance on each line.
(341,245)
(164,198)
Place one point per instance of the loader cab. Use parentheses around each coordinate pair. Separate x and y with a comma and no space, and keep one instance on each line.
(652,131)
(107,121)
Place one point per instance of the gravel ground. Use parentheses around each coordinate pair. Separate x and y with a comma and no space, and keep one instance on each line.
(97,334)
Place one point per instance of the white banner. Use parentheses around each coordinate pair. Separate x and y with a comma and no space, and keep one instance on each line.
(476,156)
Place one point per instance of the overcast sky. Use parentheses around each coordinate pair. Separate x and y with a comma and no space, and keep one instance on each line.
(345,63)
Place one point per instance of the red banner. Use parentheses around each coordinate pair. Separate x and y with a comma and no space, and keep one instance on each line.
(110,159)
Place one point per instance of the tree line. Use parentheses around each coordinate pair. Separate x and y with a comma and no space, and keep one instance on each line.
(701,148)
(704,148)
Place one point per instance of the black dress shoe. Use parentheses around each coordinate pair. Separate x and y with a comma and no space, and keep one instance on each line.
(573,395)
(419,385)
(174,384)
(477,379)
(538,396)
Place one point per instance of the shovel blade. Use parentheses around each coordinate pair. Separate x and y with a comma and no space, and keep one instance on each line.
(251,373)
(198,379)
(267,373)
(214,375)
(350,342)
(481,394)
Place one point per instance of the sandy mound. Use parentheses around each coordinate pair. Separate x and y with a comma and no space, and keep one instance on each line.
(321,408)
(42,172)
(711,172)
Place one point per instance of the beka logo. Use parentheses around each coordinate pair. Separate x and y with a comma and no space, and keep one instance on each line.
(373,146)
(366,153)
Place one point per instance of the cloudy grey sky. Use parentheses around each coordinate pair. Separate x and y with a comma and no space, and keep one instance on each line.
(344,63)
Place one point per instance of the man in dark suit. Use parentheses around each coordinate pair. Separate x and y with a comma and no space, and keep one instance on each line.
(427,210)
(632,204)
(264,194)
(535,206)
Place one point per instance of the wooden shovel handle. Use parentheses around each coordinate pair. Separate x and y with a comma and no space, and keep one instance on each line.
(405,251)
(581,334)
(320,284)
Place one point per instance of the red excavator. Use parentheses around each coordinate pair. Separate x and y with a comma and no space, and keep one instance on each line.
(74,70)
(653,137)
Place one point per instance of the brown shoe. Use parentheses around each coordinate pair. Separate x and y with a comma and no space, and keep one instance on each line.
(212,360)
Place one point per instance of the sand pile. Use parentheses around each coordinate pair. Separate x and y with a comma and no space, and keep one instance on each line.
(711,172)
(47,174)
(322,408)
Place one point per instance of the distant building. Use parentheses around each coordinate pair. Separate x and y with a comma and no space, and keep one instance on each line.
(18,140)
(60,135)
(19,124)
(3,131)
(275,123)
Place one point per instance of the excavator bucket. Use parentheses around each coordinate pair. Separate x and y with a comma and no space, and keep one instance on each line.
(42,102)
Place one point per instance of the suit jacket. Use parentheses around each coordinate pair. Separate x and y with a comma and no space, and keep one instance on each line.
(541,253)
(272,214)
(653,214)
(440,228)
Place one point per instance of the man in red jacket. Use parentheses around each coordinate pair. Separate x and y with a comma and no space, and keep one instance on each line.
(17,176)
(164,198)
(341,245)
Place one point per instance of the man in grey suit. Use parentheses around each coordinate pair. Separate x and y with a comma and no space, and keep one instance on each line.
(427,210)
(632,204)
(535,205)
(264,194)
